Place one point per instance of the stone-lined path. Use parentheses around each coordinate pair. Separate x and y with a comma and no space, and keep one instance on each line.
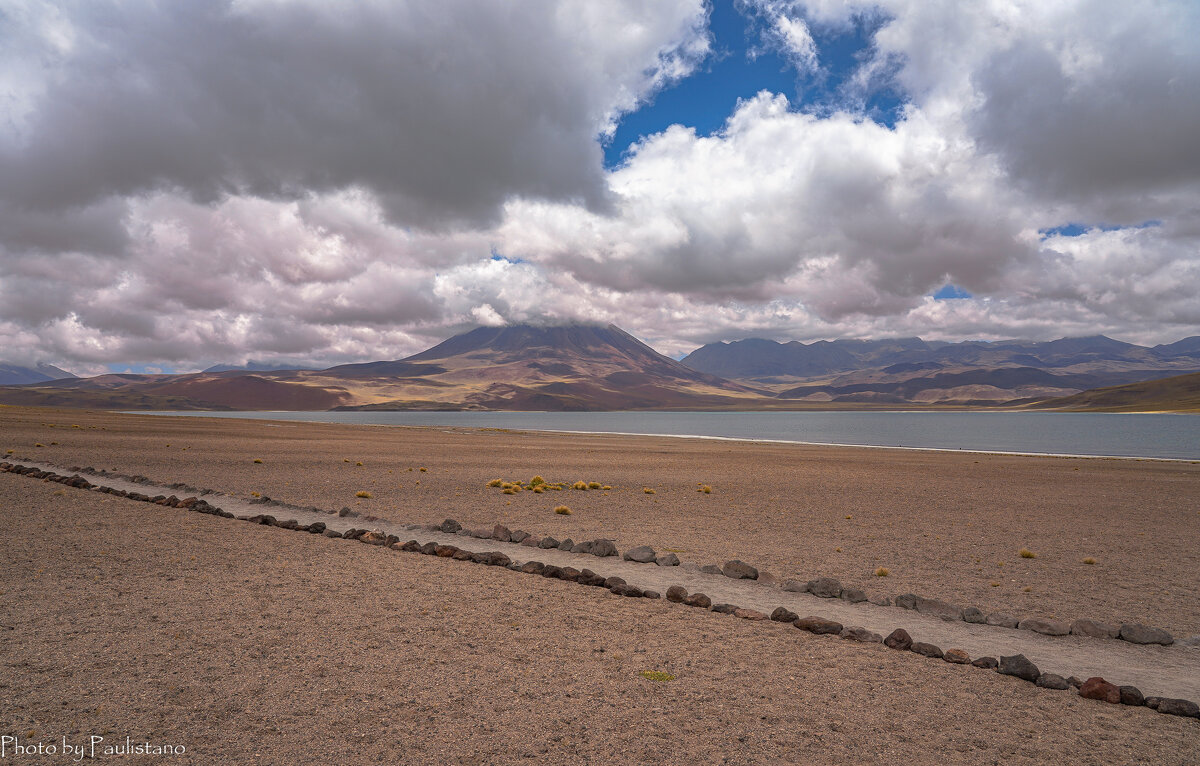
(1163,671)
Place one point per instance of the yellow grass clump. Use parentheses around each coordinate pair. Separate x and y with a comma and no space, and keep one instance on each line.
(495,482)
(257,460)
(537,489)
(358,462)
(1089,560)
(508,490)
(506,485)
(656,675)
(647,490)
(705,489)
(594,485)
(576,485)
(563,510)
(39,444)
(536,481)
(422,470)
(882,572)
(1027,554)
(362,493)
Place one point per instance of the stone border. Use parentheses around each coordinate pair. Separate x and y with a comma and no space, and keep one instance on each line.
(1017,665)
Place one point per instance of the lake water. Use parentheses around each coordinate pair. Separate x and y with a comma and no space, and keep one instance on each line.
(1153,435)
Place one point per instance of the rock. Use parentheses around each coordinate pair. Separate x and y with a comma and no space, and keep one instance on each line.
(445,551)
(588,577)
(1096,688)
(331,533)
(461,555)
(711,569)
(449,526)
(987,663)
(1131,695)
(1019,665)
(502,533)
(1044,626)
(293,524)
(782,614)
(749,614)
(570,574)
(795,586)
(531,542)
(1191,642)
(555,573)
(517,536)
(427,548)
(853,595)
(956,657)
(880,600)
(819,625)
(1142,634)
(1074,682)
(609,582)
(668,560)
(926,650)
(630,591)
(547,543)
(316,527)
(1094,629)
(857,633)
(651,594)
(463,533)
(824,587)
(1184,708)
(725,608)
(481,534)
(907,601)
(566,545)
(676,593)
(898,639)
(739,570)
(643,554)
(1002,620)
(973,616)
(698,600)
(690,566)
(935,608)
(374,537)
(584,547)
(603,548)
(1152,702)
(532,567)
(766,578)
(495,559)
(1052,681)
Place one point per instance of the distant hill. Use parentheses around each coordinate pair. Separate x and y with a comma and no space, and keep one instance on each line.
(1180,393)
(914,371)
(15,375)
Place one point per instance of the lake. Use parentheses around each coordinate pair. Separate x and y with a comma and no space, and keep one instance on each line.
(1061,433)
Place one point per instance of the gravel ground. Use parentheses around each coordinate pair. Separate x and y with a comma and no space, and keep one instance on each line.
(249,644)
(944,525)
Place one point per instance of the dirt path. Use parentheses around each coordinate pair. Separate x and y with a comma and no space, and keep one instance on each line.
(1165,671)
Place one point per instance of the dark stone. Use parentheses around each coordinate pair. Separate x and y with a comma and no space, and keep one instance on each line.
(627,590)
(651,594)
(611,581)
(375,537)
(795,586)
(1052,681)
(973,615)
(551,571)
(898,639)
(1002,620)
(492,559)
(531,542)
(725,608)
(461,555)
(346,513)
(926,650)
(588,577)
(1131,695)
(907,601)
(819,625)
(331,533)
(1019,665)
(1094,629)
(445,551)
(584,547)
(316,527)
(532,567)
(824,587)
(566,545)
(547,543)
(603,548)
(782,614)
(667,560)
(1074,682)
(676,593)
(739,570)
(570,574)
(517,535)
(698,600)
(1185,708)
(749,614)
(643,554)
(450,526)
(935,608)
(288,524)
(1096,688)
(410,546)
(987,663)
(428,548)
(1044,626)
(853,595)
(856,633)
(956,657)
(711,569)
(1152,702)
(502,533)
(1142,634)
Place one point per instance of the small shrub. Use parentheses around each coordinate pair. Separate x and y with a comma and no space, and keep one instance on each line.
(1089,560)
(1028,554)
(536,481)
(257,460)
(362,493)
(563,510)
(422,470)
(345,460)
(849,516)
(39,444)
(537,489)
(359,462)
(882,572)
(594,485)
(705,489)
(647,490)
(495,482)
(506,485)
(576,485)
(255,494)
(1027,589)
(656,675)
(59,492)
(508,491)
(995,584)
(9,452)
(606,488)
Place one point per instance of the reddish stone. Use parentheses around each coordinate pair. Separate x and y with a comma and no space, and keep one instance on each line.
(1096,688)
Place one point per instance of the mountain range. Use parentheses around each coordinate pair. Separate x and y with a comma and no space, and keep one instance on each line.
(589,367)
(15,375)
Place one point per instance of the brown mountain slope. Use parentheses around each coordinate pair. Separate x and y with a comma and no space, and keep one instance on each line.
(1180,393)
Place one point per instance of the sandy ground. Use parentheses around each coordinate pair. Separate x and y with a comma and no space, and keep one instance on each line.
(250,644)
(945,525)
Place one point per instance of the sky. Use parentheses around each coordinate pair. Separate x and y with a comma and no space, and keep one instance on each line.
(317,182)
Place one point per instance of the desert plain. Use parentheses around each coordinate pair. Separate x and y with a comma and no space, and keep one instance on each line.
(251,644)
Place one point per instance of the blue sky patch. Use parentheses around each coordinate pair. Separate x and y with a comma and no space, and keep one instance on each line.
(951,292)
(1076,229)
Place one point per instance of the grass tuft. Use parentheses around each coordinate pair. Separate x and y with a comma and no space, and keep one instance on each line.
(647,490)
(495,482)
(258,460)
(656,675)
(358,462)
(536,481)
(537,489)
(594,485)
(705,489)
(1027,554)
(579,485)
(1089,560)
(563,510)
(882,572)
(423,470)
(362,493)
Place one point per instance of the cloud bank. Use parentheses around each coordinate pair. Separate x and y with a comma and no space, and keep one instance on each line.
(184,184)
